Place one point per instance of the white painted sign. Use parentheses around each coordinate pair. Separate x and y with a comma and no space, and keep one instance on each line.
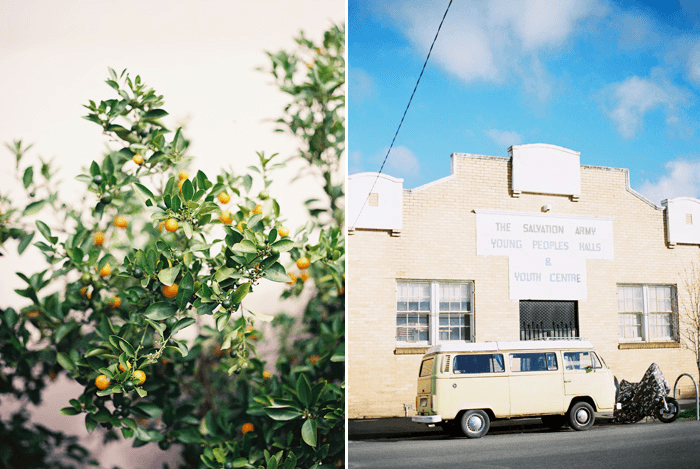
(547,253)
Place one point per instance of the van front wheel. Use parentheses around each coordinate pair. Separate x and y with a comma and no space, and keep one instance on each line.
(581,416)
(475,423)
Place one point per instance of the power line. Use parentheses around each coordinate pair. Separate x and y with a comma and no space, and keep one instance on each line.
(364,204)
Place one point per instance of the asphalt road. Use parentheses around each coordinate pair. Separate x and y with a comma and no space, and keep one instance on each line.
(651,445)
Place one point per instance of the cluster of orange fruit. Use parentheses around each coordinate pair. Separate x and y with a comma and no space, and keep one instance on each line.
(102,381)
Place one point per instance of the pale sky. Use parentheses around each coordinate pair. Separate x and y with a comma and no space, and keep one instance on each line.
(201,55)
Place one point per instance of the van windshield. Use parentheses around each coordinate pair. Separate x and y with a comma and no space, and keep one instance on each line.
(426,368)
(484,363)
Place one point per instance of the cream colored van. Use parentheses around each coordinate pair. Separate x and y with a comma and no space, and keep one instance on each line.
(463,387)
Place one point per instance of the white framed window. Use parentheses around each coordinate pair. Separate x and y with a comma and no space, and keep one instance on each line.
(647,313)
(430,312)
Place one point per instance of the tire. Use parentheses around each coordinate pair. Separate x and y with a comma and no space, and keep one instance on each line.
(673,411)
(554,422)
(581,416)
(475,423)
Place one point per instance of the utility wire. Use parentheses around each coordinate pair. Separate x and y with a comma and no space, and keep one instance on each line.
(364,204)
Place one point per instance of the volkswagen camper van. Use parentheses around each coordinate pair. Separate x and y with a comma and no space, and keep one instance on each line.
(463,387)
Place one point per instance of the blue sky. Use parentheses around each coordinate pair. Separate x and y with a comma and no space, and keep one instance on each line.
(618,81)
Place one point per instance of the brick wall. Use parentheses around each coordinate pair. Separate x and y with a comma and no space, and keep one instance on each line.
(438,242)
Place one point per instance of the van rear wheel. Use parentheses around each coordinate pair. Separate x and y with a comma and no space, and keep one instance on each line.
(475,423)
(581,416)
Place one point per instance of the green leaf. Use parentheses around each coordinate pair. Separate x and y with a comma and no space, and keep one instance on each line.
(63,330)
(185,291)
(24,242)
(69,411)
(168,276)
(129,422)
(245,247)
(152,410)
(283,245)
(188,436)
(182,324)
(222,320)
(240,293)
(127,432)
(90,422)
(28,177)
(141,392)
(143,191)
(161,310)
(277,273)
(157,326)
(44,230)
(223,273)
(123,344)
(187,228)
(219,455)
(308,432)
(282,412)
(108,165)
(187,190)
(304,390)
(65,361)
(155,114)
(34,207)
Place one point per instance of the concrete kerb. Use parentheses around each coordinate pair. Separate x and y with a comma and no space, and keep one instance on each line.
(404,427)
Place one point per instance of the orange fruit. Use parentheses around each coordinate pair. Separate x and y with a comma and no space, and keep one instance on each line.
(140,376)
(184,174)
(303,263)
(171,224)
(99,238)
(240,226)
(120,222)
(224,197)
(266,374)
(304,277)
(122,369)
(102,382)
(314,359)
(115,302)
(138,159)
(160,226)
(106,270)
(226,217)
(169,291)
(247,427)
(282,231)
(258,209)
(293,277)
(33,314)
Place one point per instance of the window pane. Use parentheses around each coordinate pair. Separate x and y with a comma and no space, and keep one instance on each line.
(485,363)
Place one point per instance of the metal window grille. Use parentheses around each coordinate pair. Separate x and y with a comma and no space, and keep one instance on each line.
(548,319)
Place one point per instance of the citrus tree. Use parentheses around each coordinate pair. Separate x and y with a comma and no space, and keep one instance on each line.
(143,298)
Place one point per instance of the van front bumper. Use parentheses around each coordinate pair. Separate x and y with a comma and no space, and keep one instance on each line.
(426,418)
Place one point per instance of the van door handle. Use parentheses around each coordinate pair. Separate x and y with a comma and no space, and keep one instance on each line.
(567,380)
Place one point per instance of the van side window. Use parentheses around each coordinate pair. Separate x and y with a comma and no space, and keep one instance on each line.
(581,360)
(484,363)
(533,361)
(426,368)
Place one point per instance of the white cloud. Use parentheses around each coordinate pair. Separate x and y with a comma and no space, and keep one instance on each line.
(362,85)
(504,138)
(626,103)
(682,179)
(401,162)
(492,40)
(693,64)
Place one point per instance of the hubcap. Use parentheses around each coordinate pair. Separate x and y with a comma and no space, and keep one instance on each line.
(475,423)
(582,416)
(671,410)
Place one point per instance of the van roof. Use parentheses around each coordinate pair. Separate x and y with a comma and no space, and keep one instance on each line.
(519,345)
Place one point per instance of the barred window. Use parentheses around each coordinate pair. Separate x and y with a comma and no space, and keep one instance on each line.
(428,312)
(647,313)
